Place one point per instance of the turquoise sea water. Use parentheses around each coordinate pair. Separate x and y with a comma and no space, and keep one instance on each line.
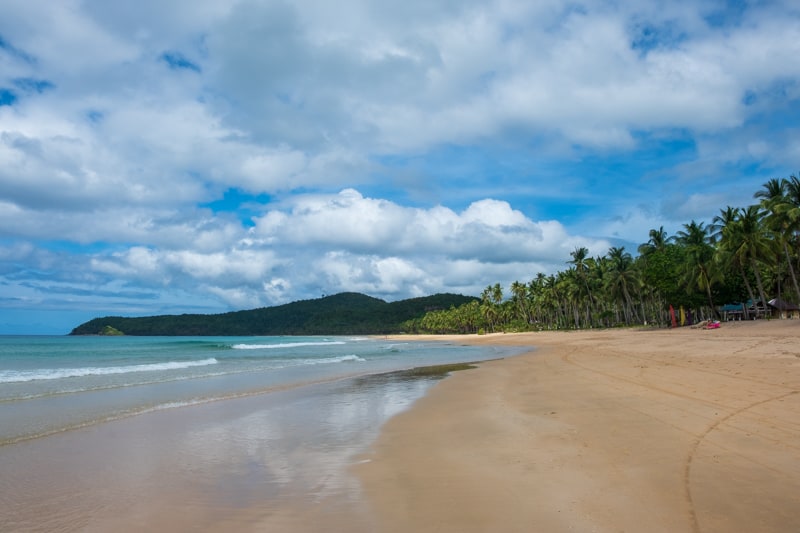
(51,384)
(133,433)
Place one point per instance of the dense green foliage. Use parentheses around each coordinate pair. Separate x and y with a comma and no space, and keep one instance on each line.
(749,254)
(342,314)
(110,331)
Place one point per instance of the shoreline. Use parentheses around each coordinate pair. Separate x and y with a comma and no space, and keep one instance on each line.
(279,454)
(601,430)
(597,430)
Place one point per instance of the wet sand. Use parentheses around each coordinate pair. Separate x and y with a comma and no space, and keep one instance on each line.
(278,458)
(618,430)
(615,430)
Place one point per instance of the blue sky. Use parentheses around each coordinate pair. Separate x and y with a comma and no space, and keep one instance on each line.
(203,156)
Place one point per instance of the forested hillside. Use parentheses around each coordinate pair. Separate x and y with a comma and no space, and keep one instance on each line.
(341,314)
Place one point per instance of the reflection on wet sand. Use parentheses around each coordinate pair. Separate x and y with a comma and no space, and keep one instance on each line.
(234,462)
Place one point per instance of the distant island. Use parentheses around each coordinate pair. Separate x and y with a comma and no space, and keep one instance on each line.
(341,314)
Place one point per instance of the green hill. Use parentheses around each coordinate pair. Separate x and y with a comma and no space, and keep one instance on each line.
(341,314)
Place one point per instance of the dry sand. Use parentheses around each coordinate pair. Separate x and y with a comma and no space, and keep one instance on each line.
(620,430)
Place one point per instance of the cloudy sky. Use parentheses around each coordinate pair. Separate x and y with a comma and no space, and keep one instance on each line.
(173,156)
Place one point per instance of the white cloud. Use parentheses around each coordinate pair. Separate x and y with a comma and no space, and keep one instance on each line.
(342,271)
(136,263)
(396,149)
(273,170)
(488,230)
(348,242)
(306,104)
(62,37)
(237,297)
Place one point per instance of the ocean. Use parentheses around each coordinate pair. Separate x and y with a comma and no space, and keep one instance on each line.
(99,432)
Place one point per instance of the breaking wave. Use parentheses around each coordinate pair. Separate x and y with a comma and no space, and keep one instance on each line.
(17,376)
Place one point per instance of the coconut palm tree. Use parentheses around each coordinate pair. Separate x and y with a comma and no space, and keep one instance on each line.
(749,242)
(658,241)
(722,221)
(622,280)
(519,295)
(781,199)
(572,292)
(491,297)
(726,235)
(583,264)
(536,297)
(551,302)
(699,270)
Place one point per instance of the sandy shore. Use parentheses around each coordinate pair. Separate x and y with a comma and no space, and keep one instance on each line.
(624,430)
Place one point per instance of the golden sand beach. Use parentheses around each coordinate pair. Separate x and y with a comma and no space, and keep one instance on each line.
(615,430)
(655,430)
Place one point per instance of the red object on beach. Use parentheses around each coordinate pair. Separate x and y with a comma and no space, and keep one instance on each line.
(712,325)
(672,315)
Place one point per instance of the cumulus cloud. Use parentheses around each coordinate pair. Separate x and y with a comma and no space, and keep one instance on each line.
(395,149)
(487,230)
(321,244)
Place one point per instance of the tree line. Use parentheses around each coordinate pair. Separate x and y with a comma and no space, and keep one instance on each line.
(746,254)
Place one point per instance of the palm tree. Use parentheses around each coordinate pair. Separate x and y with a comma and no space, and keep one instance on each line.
(471,316)
(536,297)
(725,218)
(556,300)
(654,265)
(657,242)
(519,295)
(560,295)
(497,293)
(622,280)
(781,199)
(793,196)
(699,271)
(726,235)
(571,290)
(750,244)
(582,264)
(774,189)
(491,297)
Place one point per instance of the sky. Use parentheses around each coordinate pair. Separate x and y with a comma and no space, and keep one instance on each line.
(202,156)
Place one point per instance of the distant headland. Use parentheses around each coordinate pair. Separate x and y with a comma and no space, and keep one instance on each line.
(340,314)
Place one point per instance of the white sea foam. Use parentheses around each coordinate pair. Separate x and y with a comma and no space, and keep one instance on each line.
(17,376)
(283,345)
(339,359)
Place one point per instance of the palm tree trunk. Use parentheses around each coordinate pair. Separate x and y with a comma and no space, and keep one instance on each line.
(749,290)
(708,293)
(791,269)
(760,286)
(629,303)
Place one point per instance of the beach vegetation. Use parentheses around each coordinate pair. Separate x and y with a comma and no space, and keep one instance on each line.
(747,256)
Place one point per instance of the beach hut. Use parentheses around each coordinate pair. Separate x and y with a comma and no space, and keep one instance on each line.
(757,309)
(732,312)
(780,308)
